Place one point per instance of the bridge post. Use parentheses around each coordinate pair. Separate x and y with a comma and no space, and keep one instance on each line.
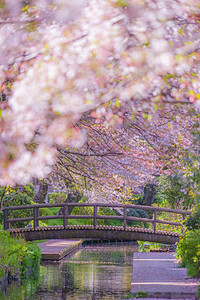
(5,219)
(65,215)
(35,216)
(154,220)
(95,216)
(125,215)
(182,229)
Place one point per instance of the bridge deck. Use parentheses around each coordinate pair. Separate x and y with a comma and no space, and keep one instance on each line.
(97,232)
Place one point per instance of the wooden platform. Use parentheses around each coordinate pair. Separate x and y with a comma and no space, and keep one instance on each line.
(57,249)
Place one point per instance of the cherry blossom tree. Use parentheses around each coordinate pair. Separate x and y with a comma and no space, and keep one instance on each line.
(132,67)
(115,159)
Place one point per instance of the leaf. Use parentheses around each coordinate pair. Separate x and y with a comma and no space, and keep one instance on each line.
(122,3)
(132,117)
(181,31)
(117,103)
(191,93)
(145,116)
(25,8)
(149,117)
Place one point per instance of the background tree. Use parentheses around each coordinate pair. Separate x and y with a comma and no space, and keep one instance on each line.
(41,194)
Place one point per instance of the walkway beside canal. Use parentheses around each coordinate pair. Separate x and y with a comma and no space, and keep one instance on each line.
(158,274)
(57,249)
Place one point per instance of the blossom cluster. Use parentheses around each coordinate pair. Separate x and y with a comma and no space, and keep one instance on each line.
(61,61)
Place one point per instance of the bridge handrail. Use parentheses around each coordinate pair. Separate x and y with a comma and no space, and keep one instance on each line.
(65,215)
(178,211)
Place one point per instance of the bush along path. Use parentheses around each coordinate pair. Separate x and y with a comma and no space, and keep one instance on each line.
(188,248)
(18,259)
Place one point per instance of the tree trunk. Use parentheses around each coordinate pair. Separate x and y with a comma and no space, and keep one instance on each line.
(149,194)
(74,196)
(42,192)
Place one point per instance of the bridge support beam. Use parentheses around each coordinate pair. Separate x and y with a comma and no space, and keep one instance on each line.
(98,233)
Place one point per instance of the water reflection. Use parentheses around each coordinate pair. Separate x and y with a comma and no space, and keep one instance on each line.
(97,272)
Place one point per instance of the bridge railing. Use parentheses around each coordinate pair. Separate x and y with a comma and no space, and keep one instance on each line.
(66,216)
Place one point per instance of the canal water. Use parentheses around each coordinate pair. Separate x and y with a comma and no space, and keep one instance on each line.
(94,272)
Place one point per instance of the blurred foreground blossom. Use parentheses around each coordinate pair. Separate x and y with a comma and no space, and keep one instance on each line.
(62,61)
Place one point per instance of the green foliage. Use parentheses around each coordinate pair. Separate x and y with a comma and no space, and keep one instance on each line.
(138,213)
(133,199)
(62,197)
(86,211)
(143,246)
(29,190)
(31,261)
(17,256)
(149,246)
(193,221)
(173,192)
(139,199)
(188,252)
(11,253)
(106,211)
(139,294)
(122,3)
(51,211)
(14,292)
(21,199)
(14,199)
(82,210)
(58,197)
(172,217)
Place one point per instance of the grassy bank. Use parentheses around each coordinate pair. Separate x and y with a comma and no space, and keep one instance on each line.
(17,257)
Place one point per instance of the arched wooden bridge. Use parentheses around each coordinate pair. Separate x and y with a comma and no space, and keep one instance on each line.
(96,231)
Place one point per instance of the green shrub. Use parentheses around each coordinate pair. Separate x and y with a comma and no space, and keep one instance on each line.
(106,211)
(138,213)
(23,198)
(58,197)
(29,190)
(31,261)
(193,221)
(173,192)
(145,246)
(49,211)
(18,257)
(84,211)
(188,252)
(11,253)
